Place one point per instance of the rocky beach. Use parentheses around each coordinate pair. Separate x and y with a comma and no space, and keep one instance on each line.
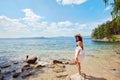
(94,67)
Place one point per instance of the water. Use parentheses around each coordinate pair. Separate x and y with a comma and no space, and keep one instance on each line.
(18,48)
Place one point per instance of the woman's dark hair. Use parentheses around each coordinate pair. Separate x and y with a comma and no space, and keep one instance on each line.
(78,37)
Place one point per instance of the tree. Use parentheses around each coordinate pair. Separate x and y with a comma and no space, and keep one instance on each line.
(116,7)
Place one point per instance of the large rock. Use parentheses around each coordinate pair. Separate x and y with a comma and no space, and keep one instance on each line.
(76,77)
(31,60)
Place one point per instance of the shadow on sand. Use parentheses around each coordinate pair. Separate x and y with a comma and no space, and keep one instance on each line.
(89,77)
(94,78)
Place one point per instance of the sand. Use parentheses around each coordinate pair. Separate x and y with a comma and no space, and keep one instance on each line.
(94,66)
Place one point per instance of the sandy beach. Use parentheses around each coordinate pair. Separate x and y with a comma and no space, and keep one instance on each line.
(94,66)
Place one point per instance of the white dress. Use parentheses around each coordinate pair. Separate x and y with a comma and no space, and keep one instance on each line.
(81,53)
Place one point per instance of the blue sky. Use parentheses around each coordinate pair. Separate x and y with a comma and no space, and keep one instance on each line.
(50,18)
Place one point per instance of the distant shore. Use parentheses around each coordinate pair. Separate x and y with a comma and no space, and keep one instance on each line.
(116,39)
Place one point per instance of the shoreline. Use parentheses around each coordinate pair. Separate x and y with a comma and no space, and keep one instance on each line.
(103,70)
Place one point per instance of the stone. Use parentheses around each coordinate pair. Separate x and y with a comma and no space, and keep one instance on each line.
(27,73)
(15,75)
(51,66)
(31,60)
(4,64)
(15,62)
(76,77)
(58,70)
(26,67)
(59,75)
(60,65)
(9,71)
(1,76)
(57,61)
(41,64)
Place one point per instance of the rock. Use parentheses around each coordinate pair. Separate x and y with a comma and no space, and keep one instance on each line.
(59,75)
(27,73)
(41,64)
(26,67)
(117,51)
(8,71)
(76,77)
(5,64)
(15,75)
(1,76)
(68,78)
(51,66)
(15,62)
(58,70)
(113,69)
(60,65)
(57,61)
(31,60)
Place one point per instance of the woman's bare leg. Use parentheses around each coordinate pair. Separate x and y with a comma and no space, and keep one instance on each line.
(79,67)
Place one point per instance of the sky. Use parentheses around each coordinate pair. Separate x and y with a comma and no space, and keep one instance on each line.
(51,18)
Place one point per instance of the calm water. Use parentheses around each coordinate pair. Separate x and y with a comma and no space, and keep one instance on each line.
(48,47)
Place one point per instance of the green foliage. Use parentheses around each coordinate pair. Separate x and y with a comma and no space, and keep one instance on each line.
(113,38)
(116,7)
(107,29)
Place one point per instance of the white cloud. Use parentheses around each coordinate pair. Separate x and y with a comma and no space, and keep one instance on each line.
(30,15)
(81,26)
(65,23)
(68,2)
(107,8)
(31,25)
(12,25)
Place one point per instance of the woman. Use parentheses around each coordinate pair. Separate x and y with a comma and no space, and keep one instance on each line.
(79,53)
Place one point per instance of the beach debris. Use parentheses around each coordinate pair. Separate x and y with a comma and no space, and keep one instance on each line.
(57,61)
(58,70)
(59,75)
(4,64)
(31,60)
